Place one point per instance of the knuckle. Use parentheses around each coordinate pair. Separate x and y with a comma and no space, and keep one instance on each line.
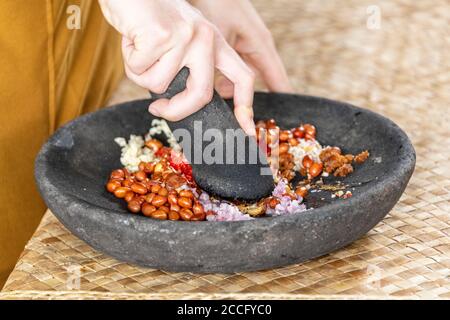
(162,35)
(156,83)
(205,95)
(158,87)
(205,30)
(186,33)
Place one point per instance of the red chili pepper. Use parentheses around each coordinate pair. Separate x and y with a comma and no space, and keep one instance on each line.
(163,152)
(174,165)
(178,163)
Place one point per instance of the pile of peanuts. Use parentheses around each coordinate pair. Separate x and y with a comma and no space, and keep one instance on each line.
(157,191)
(332,159)
(165,189)
(268,131)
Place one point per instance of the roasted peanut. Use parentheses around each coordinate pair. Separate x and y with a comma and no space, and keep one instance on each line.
(149,197)
(271,123)
(186,214)
(159,214)
(174,181)
(129,196)
(199,217)
(186,194)
(158,200)
(140,198)
(139,188)
(163,192)
(173,215)
(284,136)
(198,208)
(315,169)
(293,142)
(121,192)
(111,186)
(155,188)
(173,199)
(164,208)
(283,148)
(134,206)
(185,202)
(118,174)
(298,133)
(140,175)
(309,129)
(148,209)
(301,191)
(307,161)
(153,144)
(126,172)
(127,183)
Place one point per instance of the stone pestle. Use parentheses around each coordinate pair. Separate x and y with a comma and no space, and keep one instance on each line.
(220,165)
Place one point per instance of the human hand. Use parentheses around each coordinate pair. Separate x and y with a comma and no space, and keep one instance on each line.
(242,27)
(160,37)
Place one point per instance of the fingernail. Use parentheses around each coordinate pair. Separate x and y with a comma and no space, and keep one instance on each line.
(249,124)
(250,128)
(154,111)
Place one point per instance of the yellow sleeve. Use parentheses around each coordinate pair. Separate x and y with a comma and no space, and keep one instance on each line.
(51,72)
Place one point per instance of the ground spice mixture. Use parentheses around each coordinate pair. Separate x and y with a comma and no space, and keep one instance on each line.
(156,180)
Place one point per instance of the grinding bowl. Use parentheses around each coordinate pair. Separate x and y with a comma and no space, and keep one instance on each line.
(73,166)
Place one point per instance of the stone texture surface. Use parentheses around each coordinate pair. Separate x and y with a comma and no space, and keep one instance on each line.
(72,168)
(236,179)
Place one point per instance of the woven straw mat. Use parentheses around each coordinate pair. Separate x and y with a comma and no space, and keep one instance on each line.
(389,56)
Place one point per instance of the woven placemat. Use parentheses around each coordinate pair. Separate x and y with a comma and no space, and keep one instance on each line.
(396,65)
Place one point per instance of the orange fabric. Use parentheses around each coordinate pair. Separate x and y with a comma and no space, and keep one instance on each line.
(50,74)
